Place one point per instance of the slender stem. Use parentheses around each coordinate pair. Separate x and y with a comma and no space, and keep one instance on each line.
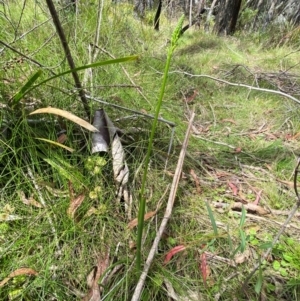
(142,204)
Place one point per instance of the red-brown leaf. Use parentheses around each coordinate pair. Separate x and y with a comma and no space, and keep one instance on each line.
(172,252)
(233,188)
(258,195)
(238,150)
(205,271)
(189,99)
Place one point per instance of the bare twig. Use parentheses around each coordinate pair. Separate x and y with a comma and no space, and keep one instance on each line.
(68,54)
(97,35)
(281,230)
(93,50)
(125,71)
(207,23)
(222,143)
(24,55)
(172,124)
(167,215)
(240,85)
(267,220)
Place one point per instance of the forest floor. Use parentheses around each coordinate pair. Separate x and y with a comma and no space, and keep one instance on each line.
(61,224)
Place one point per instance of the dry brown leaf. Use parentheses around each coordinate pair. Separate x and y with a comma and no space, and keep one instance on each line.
(66,115)
(190,98)
(29,201)
(233,187)
(195,178)
(62,138)
(134,222)
(250,206)
(132,244)
(238,150)
(143,111)
(229,120)
(18,272)
(287,183)
(94,293)
(74,205)
(296,136)
(241,258)
(270,136)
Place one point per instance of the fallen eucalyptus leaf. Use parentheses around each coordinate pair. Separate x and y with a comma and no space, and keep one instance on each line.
(66,115)
(18,272)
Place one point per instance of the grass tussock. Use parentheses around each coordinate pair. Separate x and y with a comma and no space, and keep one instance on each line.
(243,150)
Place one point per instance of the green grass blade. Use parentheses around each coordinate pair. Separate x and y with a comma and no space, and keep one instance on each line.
(212,219)
(71,150)
(243,240)
(19,95)
(259,281)
(243,217)
(93,65)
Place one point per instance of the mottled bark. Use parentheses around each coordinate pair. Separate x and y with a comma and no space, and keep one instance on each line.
(140,8)
(227,16)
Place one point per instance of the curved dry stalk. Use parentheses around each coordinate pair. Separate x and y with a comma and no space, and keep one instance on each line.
(167,215)
(135,112)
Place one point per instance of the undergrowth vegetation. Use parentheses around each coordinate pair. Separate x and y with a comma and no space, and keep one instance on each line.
(65,231)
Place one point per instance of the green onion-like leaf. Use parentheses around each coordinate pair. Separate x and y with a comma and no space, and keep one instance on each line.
(259,281)
(19,95)
(212,219)
(93,65)
(243,217)
(243,240)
